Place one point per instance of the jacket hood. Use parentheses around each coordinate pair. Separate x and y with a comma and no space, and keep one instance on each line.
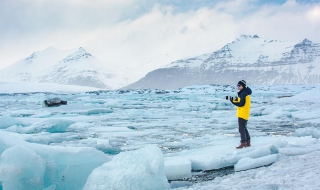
(248,90)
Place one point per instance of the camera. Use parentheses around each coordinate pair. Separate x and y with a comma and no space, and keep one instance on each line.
(232,98)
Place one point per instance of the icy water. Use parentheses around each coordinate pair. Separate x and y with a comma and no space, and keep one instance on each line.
(115,121)
(129,119)
(201,176)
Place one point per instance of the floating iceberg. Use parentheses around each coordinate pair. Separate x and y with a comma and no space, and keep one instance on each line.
(7,121)
(142,169)
(249,163)
(31,165)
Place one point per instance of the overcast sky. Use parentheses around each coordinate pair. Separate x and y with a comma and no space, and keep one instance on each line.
(132,33)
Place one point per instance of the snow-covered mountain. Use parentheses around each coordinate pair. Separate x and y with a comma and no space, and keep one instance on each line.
(31,67)
(256,60)
(71,67)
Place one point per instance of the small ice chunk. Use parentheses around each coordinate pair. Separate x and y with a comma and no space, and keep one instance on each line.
(249,163)
(141,169)
(79,127)
(183,106)
(278,144)
(96,111)
(7,121)
(293,151)
(103,141)
(178,184)
(301,132)
(50,125)
(308,131)
(111,103)
(213,160)
(316,133)
(42,114)
(177,168)
(251,152)
(290,108)
(174,144)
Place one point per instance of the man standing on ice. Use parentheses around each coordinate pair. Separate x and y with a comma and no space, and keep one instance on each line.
(243,111)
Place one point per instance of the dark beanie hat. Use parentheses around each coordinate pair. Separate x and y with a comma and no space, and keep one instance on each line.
(242,83)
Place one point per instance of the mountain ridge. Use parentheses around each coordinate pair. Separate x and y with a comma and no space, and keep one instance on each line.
(69,67)
(248,57)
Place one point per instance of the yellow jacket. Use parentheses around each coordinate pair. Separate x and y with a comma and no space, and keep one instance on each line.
(243,103)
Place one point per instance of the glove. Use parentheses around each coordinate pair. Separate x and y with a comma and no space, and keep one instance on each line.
(231,99)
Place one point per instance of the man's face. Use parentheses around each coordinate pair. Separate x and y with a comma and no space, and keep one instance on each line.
(240,87)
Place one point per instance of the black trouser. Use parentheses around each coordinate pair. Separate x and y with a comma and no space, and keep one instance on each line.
(243,130)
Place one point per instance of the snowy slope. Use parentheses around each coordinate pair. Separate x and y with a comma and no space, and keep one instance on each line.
(254,51)
(31,87)
(256,60)
(252,58)
(244,50)
(71,67)
(31,67)
(79,68)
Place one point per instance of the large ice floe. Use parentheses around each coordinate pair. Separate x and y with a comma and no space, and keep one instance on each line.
(141,169)
(153,139)
(26,165)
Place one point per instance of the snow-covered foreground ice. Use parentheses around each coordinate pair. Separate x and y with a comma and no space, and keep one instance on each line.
(154,139)
(294,172)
